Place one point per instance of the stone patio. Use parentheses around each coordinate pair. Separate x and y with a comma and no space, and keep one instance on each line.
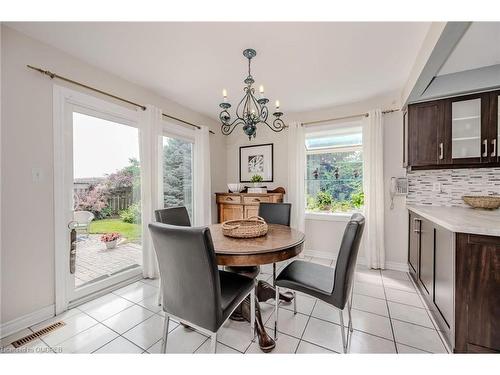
(94,261)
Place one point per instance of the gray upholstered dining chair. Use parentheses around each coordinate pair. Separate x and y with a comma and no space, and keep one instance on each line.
(195,292)
(277,213)
(331,285)
(172,216)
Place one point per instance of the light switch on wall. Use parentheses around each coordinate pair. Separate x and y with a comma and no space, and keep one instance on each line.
(36,174)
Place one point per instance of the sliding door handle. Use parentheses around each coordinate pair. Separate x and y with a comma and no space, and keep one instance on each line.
(494,144)
(441,151)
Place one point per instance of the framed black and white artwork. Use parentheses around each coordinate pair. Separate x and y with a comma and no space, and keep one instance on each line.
(256,160)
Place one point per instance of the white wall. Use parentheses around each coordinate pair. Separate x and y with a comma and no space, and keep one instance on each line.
(323,237)
(264,135)
(27,216)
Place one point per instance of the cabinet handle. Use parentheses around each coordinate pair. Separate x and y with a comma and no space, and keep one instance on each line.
(415,220)
(256,200)
(494,143)
(485,143)
(229,199)
(441,151)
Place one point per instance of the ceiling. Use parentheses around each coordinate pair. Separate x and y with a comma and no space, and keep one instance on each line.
(305,65)
(470,52)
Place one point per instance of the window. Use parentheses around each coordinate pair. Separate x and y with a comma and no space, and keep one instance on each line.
(334,169)
(177,160)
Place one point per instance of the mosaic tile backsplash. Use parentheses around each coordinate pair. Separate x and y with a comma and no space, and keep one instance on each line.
(454,183)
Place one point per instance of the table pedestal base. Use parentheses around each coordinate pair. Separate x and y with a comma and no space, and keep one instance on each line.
(263,292)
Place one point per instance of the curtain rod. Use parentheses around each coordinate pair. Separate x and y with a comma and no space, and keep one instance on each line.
(346,117)
(54,75)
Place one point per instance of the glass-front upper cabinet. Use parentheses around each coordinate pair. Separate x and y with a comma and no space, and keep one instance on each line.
(466,129)
(470,134)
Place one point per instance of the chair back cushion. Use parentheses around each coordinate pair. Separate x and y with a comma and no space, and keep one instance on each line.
(346,260)
(189,275)
(173,216)
(275,213)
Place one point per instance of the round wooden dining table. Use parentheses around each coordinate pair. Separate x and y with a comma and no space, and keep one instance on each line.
(280,243)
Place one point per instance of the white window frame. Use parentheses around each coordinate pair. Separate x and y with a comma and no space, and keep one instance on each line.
(331,216)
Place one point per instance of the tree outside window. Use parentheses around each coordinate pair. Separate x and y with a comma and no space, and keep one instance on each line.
(177,173)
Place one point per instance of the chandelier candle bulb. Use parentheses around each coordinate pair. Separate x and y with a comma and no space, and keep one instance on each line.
(224,94)
(261,90)
(277,105)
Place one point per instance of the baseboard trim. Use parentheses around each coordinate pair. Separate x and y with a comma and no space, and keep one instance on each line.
(396,266)
(25,321)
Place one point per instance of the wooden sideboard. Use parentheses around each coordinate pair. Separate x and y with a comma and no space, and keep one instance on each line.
(234,206)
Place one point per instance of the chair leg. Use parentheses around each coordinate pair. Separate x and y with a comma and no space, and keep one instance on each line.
(252,314)
(274,274)
(276,305)
(344,339)
(213,342)
(294,303)
(159,295)
(349,306)
(165,334)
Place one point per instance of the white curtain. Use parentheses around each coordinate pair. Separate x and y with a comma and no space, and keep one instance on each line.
(202,197)
(150,129)
(373,186)
(296,175)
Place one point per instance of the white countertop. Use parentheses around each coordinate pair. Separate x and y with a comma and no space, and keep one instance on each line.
(461,219)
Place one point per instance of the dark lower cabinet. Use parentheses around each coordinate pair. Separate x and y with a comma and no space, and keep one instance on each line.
(477,294)
(414,242)
(459,277)
(443,274)
(426,265)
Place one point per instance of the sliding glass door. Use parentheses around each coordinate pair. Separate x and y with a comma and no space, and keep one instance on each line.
(106,199)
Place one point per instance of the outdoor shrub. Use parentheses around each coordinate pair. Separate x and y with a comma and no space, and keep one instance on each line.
(358,199)
(132,214)
(93,200)
(324,200)
(104,213)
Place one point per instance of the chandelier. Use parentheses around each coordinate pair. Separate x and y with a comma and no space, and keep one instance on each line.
(250,111)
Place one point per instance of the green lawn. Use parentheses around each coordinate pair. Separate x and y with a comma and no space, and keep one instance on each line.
(132,232)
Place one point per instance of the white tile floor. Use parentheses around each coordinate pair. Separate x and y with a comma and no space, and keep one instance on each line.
(388,317)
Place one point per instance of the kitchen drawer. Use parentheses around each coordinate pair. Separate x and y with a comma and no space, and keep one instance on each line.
(229,199)
(256,200)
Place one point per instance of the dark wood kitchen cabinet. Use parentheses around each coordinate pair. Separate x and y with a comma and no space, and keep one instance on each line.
(457,132)
(477,294)
(444,278)
(425,133)
(458,275)
(426,262)
(414,242)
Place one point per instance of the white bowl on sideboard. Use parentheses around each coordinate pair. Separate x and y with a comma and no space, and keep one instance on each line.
(234,188)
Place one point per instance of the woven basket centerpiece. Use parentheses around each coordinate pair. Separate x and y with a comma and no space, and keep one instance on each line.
(489,202)
(252,227)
